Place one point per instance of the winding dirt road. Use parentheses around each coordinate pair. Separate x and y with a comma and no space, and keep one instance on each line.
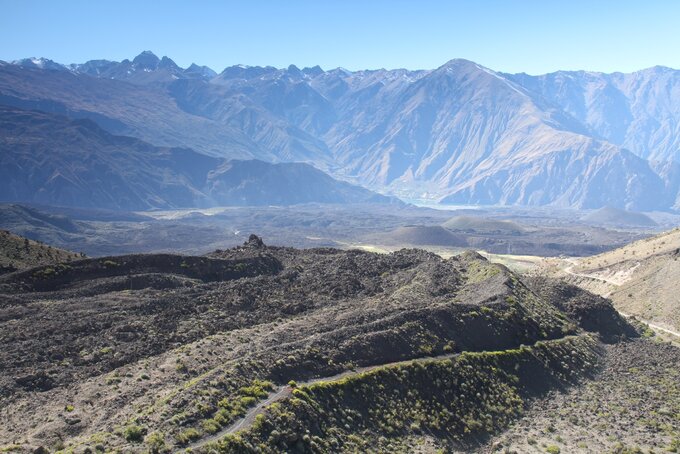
(570,270)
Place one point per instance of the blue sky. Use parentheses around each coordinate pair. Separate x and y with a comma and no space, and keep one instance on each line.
(533,36)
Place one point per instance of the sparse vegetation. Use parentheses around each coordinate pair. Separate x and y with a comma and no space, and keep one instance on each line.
(186,351)
(188,435)
(17,253)
(475,394)
(631,407)
(156,443)
(134,433)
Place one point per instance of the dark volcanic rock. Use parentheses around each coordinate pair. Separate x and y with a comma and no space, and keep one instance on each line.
(592,312)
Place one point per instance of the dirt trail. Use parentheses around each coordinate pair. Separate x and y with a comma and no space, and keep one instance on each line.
(652,325)
(282,392)
(285,391)
(569,270)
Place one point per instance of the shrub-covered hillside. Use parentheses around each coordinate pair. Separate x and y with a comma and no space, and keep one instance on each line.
(269,348)
(17,253)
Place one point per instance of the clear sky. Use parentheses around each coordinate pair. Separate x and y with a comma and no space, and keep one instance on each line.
(533,36)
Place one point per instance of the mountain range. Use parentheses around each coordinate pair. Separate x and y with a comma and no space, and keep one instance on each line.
(459,134)
(51,159)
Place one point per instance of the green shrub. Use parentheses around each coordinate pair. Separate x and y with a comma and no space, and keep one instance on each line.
(211,426)
(134,433)
(47,272)
(647,332)
(187,436)
(552,449)
(450,347)
(674,446)
(240,267)
(113,380)
(247,401)
(156,443)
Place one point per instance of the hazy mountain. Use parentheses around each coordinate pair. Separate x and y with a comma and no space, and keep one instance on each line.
(41,63)
(146,68)
(156,110)
(50,159)
(473,136)
(460,133)
(639,111)
(256,182)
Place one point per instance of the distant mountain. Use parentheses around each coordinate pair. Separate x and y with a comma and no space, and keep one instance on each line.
(473,136)
(146,68)
(639,111)
(478,224)
(256,182)
(41,63)
(616,217)
(461,133)
(49,159)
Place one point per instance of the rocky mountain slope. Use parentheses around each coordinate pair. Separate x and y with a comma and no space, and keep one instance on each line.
(460,133)
(637,111)
(50,159)
(283,349)
(631,406)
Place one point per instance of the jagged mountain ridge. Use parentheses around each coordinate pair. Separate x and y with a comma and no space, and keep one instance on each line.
(145,68)
(460,133)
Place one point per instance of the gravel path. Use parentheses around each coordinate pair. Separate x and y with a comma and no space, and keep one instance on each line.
(569,270)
